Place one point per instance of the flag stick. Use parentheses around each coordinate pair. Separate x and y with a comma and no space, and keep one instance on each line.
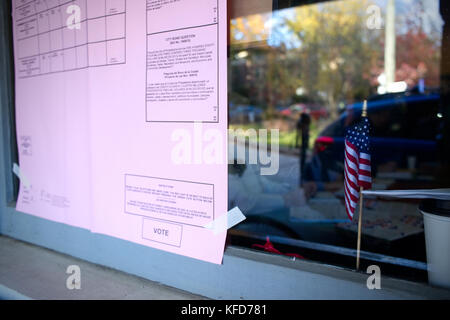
(358,248)
(358,245)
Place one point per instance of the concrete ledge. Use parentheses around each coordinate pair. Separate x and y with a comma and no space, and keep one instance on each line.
(40,273)
(244,274)
(9,294)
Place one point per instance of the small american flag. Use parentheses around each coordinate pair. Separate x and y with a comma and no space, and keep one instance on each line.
(357,163)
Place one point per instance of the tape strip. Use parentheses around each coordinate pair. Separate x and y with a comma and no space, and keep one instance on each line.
(23,179)
(226,221)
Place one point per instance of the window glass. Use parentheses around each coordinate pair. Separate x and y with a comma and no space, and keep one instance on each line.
(303,69)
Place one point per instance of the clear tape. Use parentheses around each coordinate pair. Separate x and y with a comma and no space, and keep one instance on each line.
(226,221)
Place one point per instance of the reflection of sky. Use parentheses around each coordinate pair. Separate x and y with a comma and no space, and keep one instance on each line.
(276,32)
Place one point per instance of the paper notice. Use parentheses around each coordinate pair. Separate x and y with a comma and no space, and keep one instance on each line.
(101,87)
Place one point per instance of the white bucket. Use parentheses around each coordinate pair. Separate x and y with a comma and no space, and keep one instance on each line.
(437,239)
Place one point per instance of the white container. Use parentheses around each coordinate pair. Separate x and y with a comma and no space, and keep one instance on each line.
(437,240)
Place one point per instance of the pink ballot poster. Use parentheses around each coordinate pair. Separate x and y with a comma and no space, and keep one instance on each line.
(121,109)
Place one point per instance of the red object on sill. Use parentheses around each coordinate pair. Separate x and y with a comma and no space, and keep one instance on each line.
(268,246)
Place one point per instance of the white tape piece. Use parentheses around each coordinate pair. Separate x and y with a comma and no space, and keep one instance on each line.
(226,221)
(23,179)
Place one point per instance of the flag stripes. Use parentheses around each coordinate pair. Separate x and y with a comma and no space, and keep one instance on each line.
(357,164)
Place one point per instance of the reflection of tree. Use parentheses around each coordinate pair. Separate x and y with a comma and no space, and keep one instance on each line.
(419,54)
(279,80)
(249,29)
(335,49)
(328,51)
(265,76)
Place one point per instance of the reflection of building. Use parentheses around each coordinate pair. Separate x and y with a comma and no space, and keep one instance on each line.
(253,78)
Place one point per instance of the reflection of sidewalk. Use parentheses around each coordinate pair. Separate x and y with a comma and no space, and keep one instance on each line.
(323,208)
(288,171)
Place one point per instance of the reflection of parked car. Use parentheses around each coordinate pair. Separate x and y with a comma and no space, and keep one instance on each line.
(317,111)
(403,126)
(245,113)
(295,110)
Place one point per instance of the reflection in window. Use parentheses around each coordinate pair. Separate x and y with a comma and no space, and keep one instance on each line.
(305,71)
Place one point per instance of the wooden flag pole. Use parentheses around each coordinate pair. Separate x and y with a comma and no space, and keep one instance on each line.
(358,245)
